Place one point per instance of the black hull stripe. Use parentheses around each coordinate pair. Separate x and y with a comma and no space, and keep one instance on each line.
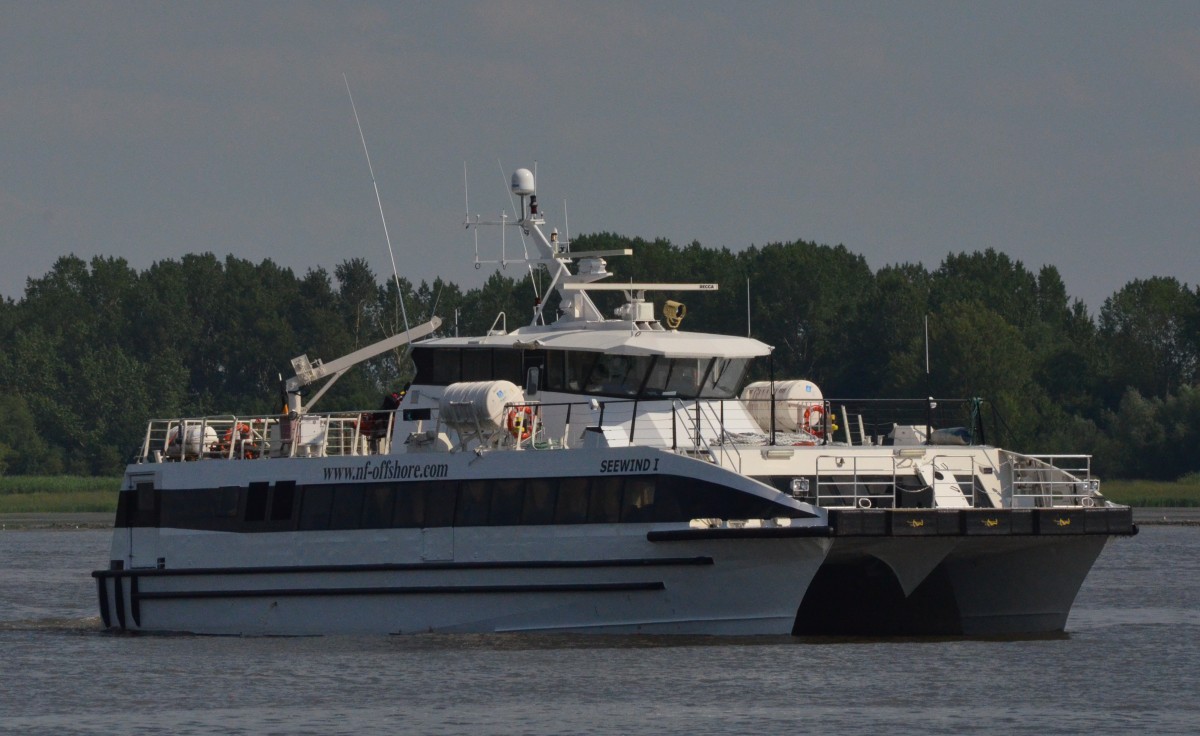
(767,532)
(135,607)
(405,590)
(410,567)
(102,589)
(119,594)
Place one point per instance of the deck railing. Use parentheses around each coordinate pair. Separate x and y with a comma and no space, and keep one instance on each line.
(1049,480)
(230,437)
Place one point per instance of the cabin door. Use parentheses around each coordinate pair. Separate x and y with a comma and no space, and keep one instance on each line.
(143,534)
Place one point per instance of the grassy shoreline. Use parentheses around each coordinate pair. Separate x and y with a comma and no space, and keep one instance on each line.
(58,494)
(1151,493)
(75,494)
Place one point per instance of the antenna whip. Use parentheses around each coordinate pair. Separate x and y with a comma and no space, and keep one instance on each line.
(379,201)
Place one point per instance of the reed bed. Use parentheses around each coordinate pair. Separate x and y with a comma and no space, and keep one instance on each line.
(57,494)
(1150,493)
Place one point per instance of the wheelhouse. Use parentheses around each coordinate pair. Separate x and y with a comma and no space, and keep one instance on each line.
(587,372)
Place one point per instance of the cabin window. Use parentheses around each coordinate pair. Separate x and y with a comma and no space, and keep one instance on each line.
(507,497)
(666,500)
(256,502)
(540,496)
(571,506)
(476,364)
(283,500)
(409,509)
(507,366)
(377,507)
(578,367)
(555,373)
(440,498)
(474,502)
(604,506)
(422,359)
(347,507)
(447,368)
(315,504)
(227,502)
(184,508)
(637,504)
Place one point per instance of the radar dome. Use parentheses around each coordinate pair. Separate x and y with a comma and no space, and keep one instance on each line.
(522,182)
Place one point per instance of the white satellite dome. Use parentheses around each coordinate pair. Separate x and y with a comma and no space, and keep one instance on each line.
(522,182)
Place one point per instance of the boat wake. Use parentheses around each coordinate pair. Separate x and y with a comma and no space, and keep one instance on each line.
(87,625)
(1103,618)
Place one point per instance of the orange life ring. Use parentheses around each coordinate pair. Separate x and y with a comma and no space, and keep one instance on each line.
(814,416)
(243,433)
(520,422)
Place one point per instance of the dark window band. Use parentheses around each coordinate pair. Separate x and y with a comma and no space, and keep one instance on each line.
(284,506)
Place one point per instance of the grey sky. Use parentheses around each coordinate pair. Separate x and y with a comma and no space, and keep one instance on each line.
(1060,133)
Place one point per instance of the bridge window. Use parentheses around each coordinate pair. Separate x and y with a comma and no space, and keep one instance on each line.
(724,377)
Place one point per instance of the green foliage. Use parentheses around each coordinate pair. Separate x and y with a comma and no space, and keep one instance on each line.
(1151,328)
(94,349)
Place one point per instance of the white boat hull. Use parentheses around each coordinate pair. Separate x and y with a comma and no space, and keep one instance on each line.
(601,579)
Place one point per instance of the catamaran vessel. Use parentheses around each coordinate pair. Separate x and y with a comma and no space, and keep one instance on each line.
(597,474)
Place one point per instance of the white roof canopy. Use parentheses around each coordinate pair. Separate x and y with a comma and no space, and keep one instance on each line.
(621,341)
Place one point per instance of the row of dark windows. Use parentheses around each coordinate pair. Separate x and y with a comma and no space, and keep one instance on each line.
(585,372)
(284,506)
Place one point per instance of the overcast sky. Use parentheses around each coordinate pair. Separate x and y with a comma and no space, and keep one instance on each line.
(1059,133)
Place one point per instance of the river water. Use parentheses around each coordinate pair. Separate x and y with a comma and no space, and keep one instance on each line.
(1129,662)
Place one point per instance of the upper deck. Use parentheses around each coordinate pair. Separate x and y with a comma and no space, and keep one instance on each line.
(849,462)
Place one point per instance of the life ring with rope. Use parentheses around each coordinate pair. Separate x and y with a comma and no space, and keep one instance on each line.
(814,420)
(520,423)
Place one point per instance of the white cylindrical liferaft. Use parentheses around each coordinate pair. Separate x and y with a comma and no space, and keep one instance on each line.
(792,399)
(196,439)
(481,405)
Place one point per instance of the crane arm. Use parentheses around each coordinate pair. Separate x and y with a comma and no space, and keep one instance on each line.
(308,372)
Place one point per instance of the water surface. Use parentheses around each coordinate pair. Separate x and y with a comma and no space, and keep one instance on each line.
(1129,662)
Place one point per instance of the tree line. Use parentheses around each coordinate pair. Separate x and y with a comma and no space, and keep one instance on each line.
(94,349)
